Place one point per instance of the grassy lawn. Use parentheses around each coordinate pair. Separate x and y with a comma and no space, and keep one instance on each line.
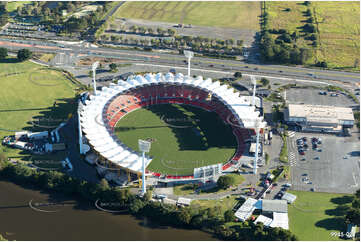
(224,204)
(240,15)
(313,216)
(27,95)
(204,140)
(188,189)
(338,25)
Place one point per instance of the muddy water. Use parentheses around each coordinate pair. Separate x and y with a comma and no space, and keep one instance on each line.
(66,219)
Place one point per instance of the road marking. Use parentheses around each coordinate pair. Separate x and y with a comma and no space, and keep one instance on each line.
(291,133)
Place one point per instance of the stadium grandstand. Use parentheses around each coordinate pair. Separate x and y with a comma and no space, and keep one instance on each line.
(100,114)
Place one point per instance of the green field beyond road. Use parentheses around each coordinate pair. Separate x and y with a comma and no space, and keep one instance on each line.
(204,140)
(313,216)
(239,15)
(338,29)
(27,95)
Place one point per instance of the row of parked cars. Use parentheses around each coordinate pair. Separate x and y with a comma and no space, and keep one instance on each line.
(302,144)
(332,94)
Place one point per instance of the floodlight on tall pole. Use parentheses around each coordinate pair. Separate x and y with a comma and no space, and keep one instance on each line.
(257,129)
(254,90)
(94,68)
(189,55)
(144,146)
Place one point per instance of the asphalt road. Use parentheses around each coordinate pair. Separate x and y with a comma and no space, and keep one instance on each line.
(162,58)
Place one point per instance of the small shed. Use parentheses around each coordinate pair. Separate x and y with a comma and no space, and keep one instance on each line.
(184,201)
(290,198)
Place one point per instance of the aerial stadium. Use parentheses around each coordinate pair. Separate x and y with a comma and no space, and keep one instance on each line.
(113,119)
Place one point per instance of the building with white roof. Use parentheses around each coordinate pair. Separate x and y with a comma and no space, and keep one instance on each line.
(319,118)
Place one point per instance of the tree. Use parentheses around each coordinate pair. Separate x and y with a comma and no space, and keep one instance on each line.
(113,67)
(150,31)
(103,185)
(264,81)
(238,74)
(24,54)
(229,216)
(184,216)
(225,182)
(3,53)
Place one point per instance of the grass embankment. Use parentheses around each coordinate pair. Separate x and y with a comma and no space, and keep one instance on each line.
(239,15)
(27,98)
(223,204)
(204,140)
(338,30)
(284,150)
(313,216)
(47,57)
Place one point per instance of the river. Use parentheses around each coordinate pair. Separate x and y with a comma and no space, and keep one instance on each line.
(66,219)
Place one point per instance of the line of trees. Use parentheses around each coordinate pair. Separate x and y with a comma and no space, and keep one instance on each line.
(204,45)
(134,29)
(353,211)
(210,219)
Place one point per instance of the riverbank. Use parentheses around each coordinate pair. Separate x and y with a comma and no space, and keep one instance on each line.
(209,219)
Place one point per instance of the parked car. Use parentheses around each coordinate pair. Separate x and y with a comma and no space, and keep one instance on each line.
(317,158)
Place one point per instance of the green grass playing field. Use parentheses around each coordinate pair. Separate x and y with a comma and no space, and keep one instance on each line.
(240,15)
(203,140)
(313,216)
(338,24)
(27,95)
(13,5)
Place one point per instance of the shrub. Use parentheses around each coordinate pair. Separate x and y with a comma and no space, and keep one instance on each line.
(225,182)
(3,53)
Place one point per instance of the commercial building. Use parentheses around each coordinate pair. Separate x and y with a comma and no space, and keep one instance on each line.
(319,118)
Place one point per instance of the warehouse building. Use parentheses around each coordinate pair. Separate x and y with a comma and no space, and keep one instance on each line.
(318,118)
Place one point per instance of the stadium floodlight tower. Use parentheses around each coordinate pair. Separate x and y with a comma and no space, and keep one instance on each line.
(189,55)
(258,126)
(144,146)
(254,90)
(94,68)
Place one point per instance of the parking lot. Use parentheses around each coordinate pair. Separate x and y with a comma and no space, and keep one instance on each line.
(333,167)
(312,96)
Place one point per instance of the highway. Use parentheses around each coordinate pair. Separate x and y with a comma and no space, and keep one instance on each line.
(162,58)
